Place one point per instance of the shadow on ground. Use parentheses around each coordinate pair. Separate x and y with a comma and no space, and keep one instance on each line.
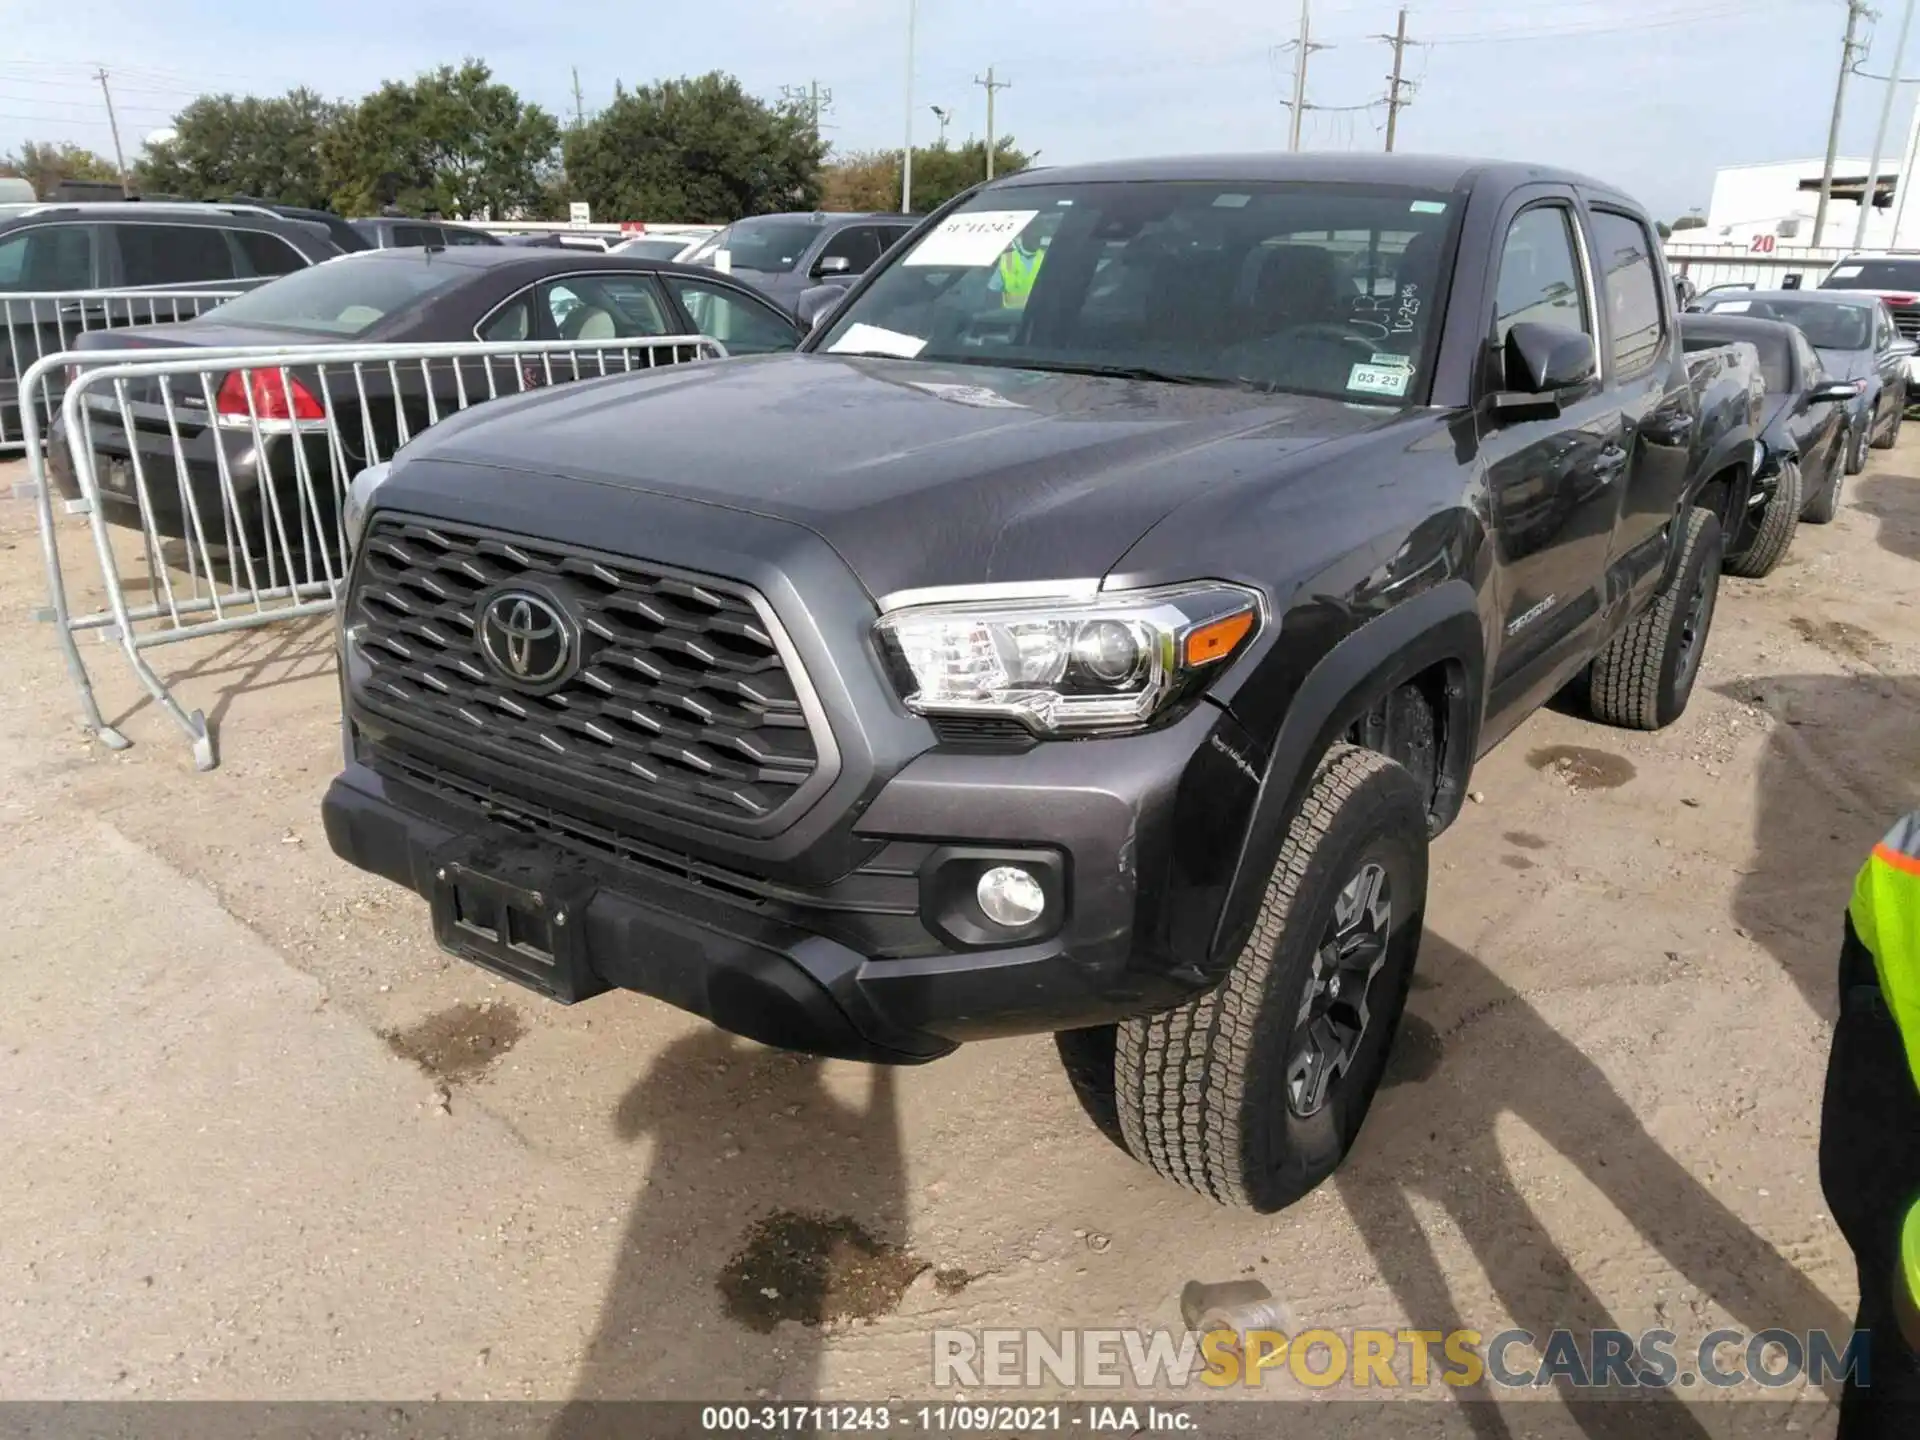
(1514,1063)
(768,1199)
(1893,500)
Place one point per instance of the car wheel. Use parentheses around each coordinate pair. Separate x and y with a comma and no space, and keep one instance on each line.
(1857,450)
(1253,1093)
(1643,679)
(1775,532)
(1891,438)
(1824,502)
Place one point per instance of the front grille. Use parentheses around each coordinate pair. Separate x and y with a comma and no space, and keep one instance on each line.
(681,695)
(1907,322)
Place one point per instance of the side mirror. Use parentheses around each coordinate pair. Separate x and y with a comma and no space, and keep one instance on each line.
(1831,392)
(1685,292)
(1540,362)
(816,304)
(832,265)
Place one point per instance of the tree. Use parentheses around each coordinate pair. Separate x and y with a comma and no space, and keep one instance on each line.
(1666,230)
(870,180)
(450,141)
(1690,222)
(223,145)
(698,149)
(45,166)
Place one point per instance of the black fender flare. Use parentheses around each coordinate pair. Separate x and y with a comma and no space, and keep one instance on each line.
(1439,626)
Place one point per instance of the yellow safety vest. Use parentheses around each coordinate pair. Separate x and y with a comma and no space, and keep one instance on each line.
(1017,269)
(1886,916)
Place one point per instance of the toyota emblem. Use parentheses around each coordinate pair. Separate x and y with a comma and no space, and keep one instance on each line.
(526,638)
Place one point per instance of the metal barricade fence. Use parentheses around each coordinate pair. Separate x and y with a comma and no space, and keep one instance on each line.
(47,322)
(226,471)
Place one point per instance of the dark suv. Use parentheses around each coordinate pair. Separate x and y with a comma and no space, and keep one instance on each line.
(783,256)
(1094,657)
(388,232)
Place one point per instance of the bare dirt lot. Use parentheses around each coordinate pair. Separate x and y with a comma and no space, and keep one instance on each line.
(264,1141)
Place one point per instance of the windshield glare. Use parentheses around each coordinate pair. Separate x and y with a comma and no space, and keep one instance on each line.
(1846,325)
(1874,275)
(347,296)
(772,245)
(1322,288)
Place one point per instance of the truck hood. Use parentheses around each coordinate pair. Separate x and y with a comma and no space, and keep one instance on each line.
(917,474)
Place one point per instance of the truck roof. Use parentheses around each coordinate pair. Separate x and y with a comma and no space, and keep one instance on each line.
(1434,172)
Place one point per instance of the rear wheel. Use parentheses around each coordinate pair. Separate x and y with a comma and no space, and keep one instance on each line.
(1253,1093)
(1862,436)
(1824,501)
(1775,532)
(1644,678)
(1892,437)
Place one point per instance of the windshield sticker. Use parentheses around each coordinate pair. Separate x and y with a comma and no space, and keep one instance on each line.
(874,340)
(977,396)
(1379,379)
(1231,202)
(1404,361)
(1428,207)
(1732,307)
(972,239)
(723,261)
(1846,272)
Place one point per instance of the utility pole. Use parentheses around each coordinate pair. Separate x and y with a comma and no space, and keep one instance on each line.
(906,151)
(812,101)
(1305,47)
(1850,51)
(1394,103)
(991,85)
(1880,133)
(119,159)
(579,110)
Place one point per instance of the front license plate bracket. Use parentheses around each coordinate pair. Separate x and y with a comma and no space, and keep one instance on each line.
(518,910)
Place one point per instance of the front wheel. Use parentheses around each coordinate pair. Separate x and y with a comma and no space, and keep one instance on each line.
(1824,501)
(1775,532)
(1253,1093)
(1644,678)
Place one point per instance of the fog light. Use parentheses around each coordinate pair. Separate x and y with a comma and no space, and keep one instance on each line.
(1010,896)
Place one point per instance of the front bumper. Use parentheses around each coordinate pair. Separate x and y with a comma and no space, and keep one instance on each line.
(1137,837)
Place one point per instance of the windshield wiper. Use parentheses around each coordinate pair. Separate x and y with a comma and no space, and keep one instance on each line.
(1140,372)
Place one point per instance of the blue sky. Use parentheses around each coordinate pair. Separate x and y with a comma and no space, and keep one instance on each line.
(1650,95)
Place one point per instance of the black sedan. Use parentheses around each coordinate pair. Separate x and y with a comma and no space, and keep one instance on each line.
(1803,435)
(343,420)
(1853,332)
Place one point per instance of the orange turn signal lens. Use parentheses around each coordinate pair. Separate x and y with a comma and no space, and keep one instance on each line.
(1217,638)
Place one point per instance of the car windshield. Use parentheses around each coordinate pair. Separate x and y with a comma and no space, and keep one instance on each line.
(1830,326)
(1874,275)
(650,249)
(771,244)
(347,296)
(1319,288)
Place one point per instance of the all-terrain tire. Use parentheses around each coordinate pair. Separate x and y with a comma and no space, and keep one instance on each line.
(1777,524)
(1204,1091)
(1643,679)
(1892,437)
(1823,502)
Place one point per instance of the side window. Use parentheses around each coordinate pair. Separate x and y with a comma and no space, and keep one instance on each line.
(859,245)
(457,236)
(172,254)
(745,326)
(1540,274)
(1805,359)
(405,235)
(512,321)
(1882,328)
(1632,290)
(603,307)
(892,235)
(266,254)
(47,257)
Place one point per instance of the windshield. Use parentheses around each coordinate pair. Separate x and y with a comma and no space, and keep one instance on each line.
(1830,326)
(1325,289)
(772,244)
(1874,275)
(347,296)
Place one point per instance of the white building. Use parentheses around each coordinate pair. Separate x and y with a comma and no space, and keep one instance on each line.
(1780,199)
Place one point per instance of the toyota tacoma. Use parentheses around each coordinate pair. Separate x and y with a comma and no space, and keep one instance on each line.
(1098,659)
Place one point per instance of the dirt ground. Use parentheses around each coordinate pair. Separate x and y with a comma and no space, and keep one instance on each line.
(265,1141)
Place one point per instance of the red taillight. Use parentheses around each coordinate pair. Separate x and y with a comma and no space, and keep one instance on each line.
(1902,299)
(273,398)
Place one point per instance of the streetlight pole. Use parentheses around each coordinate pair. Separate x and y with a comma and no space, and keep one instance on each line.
(906,151)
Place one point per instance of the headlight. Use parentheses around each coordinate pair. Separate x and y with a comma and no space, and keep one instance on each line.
(1102,662)
(353,515)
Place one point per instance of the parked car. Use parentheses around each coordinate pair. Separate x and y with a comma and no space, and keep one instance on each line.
(561,240)
(1896,280)
(1105,672)
(339,229)
(493,293)
(653,247)
(1853,332)
(156,247)
(785,255)
(389,232)
(1802,459)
